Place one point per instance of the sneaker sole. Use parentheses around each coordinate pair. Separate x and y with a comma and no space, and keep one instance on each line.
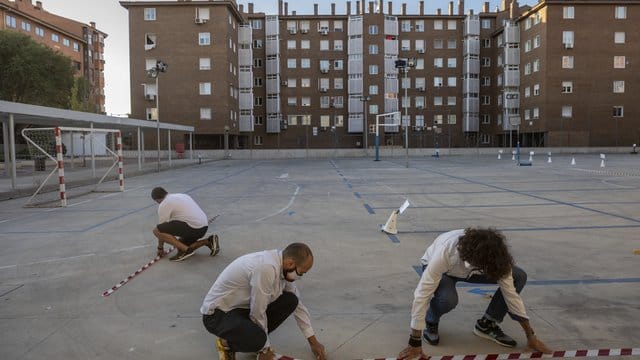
(431,342)
(186,256)
(215,246)
(485,336)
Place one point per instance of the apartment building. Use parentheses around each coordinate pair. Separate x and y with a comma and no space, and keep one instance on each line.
(83,43)
(559,73)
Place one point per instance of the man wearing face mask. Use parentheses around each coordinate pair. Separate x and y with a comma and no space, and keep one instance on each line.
(472,255)
(254,295)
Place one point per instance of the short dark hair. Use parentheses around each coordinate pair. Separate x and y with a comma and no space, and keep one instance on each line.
(158,193)
(299,252)
(487,251)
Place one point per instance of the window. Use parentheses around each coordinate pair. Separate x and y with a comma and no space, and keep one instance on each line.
(485,118)
(257,82)
(304,26)
(338,64)
(405,83)
(325,121)
(291,44)
(324,45)
(438,25)
(55,38)
(419,64)
(567,39)
(437,119)
(150,41)
(11,21)
(451,63)
(337,45)
(26,26)
(292,101)
(451,25)
(527,23)
(486,24)
(257,101)
(536,89)
(451,119)
(419,25)
(205,88)
(438,63)
(205,113)
(292,120)
(204,38)
(405,26)
(619,62)
(619,37)
(486,43)
(486,100)
(306,101)
(419,100)
(149,14)
(451,100)
(292,63)
(437,100)
(451,81)
(536,18)
(527,46)
(486,62)
(337,25)
(305,82)
(419,120)
(536,113)
(567,87)
(567,111)
(256,24)
(437,81)
(451,44)
(257,140)
(373,109)
(373,89)
(527,92)
(292,26)
(202,13)
(420,46)
(405,45)
(373,49)
(567,62)
(536,42)
(292,82)
(536,65)
(527,114)
(618,86)
(205,63)
(40,32)
(258,120)
(618,111)
(373,29)
(373,69)
(438,44)
(621,12)
(257,44)
(257,63)
(76,47)
(568,12)
(486,81)
(305,63)
(66,42)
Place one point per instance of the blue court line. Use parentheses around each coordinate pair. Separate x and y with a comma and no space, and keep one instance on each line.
(369,209)
(222,178)
(548,228)
(537,196)
(393,238)
(512,205)
(357,195)
(432,193)
(418,270)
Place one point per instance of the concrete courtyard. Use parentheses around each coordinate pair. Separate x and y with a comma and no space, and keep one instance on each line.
(572,228)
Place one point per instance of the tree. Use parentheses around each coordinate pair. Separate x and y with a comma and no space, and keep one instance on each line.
(81,95)
(33,73)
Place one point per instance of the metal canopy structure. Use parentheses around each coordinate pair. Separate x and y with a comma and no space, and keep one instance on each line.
(12,113)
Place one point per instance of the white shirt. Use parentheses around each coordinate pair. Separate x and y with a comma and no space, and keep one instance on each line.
(183,208)
(442,257)
(253,281)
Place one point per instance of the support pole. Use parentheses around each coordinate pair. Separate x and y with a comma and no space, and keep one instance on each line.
(93,153)
(139,149)
(12,150)
(169,145)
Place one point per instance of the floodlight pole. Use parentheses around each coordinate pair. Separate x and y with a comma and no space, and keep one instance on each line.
(404,65)
(154,72)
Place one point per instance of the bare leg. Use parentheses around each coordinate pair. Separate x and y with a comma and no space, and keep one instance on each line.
(168,238)
(198,244)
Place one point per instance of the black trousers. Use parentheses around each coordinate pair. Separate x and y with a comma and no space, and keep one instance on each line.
(240,332)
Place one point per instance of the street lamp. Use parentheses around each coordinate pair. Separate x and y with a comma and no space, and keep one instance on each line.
(404,65)
(154,73)
(365,132)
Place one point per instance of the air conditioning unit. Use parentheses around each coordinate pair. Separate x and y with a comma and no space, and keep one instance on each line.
(324,70)
(284,83)
(150,97)
(420,51)
(420,89)
(419,107)
(293,31)
(324,90)
(324,32)
(283,124)
(568,45)
(200,21)
(323,128)
(304,31)
(418,128)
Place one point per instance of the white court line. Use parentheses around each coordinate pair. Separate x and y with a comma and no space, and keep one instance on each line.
(284,208)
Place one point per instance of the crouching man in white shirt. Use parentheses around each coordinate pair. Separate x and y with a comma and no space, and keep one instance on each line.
(252,296)
(471,255)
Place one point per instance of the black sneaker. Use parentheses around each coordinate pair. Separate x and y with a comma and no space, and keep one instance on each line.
(490,330)
(213,244)
(182,255)
(430,333)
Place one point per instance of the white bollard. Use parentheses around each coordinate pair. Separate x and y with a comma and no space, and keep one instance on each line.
(500,154)
(531,153)
(573,160)
(513,155)
(602,157)
(549,160)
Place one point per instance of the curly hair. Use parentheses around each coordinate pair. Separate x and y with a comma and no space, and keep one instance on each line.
(487,251)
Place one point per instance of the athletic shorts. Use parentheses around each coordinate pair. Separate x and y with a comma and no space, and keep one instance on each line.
(182,230)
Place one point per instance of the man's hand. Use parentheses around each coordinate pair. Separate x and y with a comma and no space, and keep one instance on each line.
(317,348)
(411,353)
(267,355)
(534,344)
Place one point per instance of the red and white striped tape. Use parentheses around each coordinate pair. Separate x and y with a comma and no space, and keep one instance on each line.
(565,354)
(60,161)
(135,273)
(120,163)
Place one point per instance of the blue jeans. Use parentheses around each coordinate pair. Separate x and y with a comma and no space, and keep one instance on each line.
(445,298)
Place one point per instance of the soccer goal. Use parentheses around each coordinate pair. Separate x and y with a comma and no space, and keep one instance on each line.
(78,156)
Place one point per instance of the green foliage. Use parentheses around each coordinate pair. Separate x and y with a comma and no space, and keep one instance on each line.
(33,73)
(81,95)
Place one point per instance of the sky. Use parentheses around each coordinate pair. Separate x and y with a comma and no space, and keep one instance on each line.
(112,19)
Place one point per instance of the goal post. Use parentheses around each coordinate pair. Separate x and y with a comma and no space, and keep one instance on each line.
(62,147)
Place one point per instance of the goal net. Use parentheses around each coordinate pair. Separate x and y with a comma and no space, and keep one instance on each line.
(84,160)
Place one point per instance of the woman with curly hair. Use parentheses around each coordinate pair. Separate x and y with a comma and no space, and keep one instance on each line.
(473,255)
